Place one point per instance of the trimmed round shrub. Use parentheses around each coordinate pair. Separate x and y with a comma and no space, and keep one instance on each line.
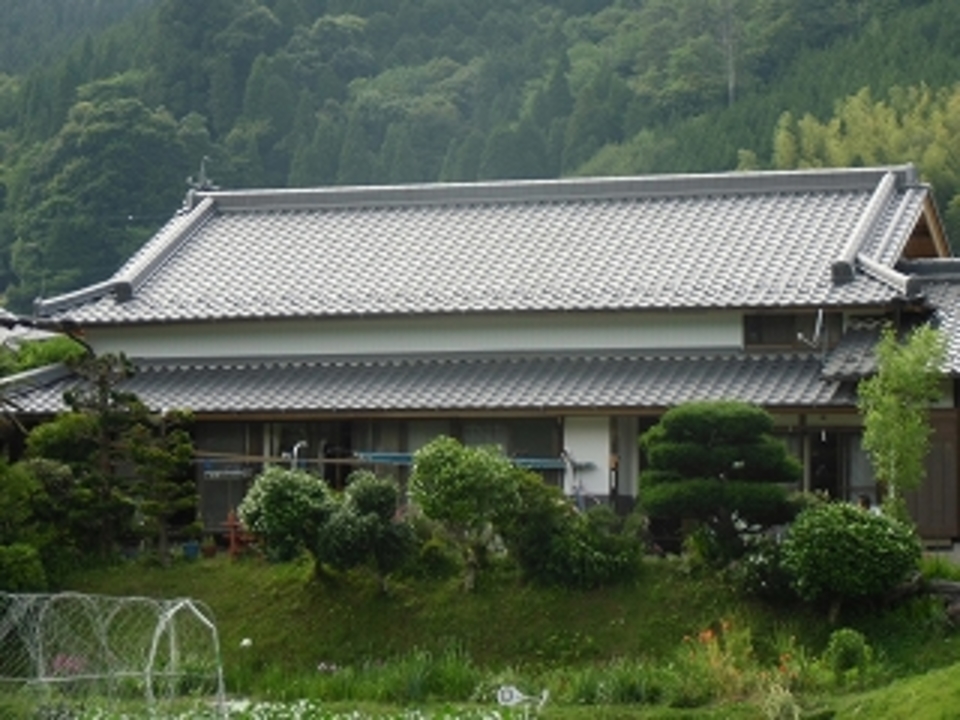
(285,509)
(370,494)
(847,650)
(839,551)
(761,460)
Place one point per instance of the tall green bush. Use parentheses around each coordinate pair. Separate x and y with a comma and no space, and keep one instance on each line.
(125,462)
(292,511)
(481,496)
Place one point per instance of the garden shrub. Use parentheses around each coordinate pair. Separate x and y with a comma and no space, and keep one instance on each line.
(21,569)
(362,527)
(717,464)
(839,551)
(435,556)
(585,556)
(436,560)
(467,489)
(285,509)
(343,542)
(554,544)
(761,571)
(847,650)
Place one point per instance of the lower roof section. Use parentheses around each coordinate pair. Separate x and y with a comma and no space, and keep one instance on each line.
(416,385)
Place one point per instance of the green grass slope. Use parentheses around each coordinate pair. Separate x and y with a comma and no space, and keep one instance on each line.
(934,695)
(509,631)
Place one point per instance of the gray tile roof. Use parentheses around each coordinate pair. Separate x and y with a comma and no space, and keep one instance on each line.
(462,384)
(804,238)
(939,285)
(945,297)
(853,356)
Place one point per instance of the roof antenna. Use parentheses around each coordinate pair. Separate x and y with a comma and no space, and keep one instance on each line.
(203,181)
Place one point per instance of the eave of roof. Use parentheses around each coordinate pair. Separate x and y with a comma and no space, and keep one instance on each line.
(451,384)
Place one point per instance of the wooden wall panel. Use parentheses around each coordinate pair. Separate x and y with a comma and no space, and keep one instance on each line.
(936,505)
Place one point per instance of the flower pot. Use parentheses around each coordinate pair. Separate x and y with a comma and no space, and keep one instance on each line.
(191,550)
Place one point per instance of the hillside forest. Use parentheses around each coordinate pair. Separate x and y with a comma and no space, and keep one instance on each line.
(111,109)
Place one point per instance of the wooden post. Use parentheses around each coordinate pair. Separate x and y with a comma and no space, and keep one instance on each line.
(234,534)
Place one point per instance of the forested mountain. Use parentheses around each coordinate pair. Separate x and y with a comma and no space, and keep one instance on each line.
(37,31)
(96,142)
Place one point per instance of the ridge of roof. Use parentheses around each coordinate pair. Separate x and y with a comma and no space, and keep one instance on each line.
(591,188)
(932,269)
(476,356)
(905,284)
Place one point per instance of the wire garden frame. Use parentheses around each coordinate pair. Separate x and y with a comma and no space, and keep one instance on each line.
(74,650)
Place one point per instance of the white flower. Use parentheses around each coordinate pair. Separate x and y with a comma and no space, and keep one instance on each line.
(246,642)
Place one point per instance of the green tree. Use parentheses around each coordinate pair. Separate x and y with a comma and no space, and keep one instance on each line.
(356,163)
(912,124)
(514,151)
(162,488)
(90,439)
(182,39)
(118,458)
(38,353)
(717,463)
(316,162)
(895,405)
(398,159)
(467,489)
(597,117)
(93,194)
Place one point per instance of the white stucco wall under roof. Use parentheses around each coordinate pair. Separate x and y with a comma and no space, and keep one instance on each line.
(665,331)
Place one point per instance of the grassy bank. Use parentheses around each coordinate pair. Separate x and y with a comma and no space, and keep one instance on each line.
(673,637)
(296,621)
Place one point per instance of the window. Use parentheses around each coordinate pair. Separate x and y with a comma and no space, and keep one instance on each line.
(791,330)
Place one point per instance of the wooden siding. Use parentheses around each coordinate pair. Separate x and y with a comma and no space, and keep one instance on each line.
(936,505)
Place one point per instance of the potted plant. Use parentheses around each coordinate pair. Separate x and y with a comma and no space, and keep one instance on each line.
(191,544)
(209,546)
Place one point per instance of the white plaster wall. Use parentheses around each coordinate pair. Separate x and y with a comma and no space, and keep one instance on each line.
(481,333)
(587,440)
